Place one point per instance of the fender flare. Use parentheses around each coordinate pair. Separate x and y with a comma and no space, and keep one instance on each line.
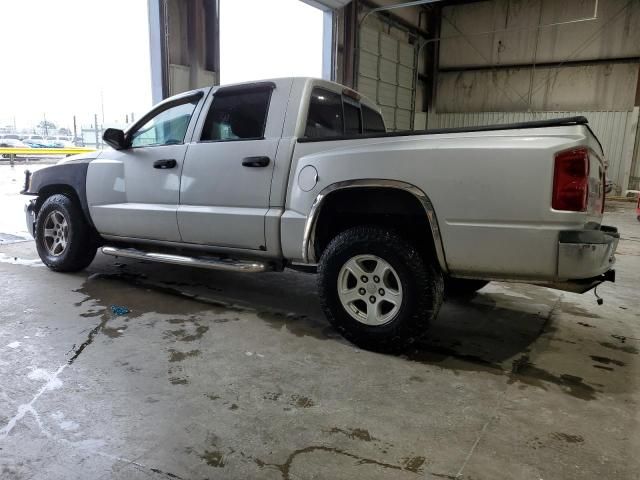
(71,175)
(308,250)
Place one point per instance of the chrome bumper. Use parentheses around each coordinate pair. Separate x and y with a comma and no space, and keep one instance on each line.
(30,217)
(586,254)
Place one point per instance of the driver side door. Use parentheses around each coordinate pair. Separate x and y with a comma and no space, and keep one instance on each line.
(134,193)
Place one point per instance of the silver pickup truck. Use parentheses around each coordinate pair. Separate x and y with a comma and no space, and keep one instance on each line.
(301,173)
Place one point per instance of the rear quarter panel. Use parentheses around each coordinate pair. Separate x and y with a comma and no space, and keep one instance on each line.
(491,192)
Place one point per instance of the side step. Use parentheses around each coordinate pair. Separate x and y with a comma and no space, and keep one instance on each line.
(211,263)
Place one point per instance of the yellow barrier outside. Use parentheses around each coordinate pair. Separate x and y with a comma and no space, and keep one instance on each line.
(45,151)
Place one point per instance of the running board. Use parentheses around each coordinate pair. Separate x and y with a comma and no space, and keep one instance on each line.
(211,263)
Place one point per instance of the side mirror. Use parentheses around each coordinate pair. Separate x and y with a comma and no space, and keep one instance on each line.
(115,138)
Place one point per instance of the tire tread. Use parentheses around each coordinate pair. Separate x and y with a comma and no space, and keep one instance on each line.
(425,296)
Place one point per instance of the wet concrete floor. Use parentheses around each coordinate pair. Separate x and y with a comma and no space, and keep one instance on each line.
(219,375)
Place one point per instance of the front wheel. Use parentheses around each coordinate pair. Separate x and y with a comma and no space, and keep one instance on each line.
(63,238)
(377,289)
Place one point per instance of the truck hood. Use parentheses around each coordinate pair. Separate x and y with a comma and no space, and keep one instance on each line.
(81,157)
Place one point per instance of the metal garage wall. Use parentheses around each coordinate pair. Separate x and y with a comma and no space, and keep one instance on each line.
(616,130)
(584,56)
(386,73)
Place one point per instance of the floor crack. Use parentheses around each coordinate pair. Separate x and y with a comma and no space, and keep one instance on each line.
(493,416)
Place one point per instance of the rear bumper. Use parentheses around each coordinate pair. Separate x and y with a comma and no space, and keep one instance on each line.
(584,254)
(585,259)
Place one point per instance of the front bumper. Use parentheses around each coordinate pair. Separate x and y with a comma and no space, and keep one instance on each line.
(586,253)
(30,217)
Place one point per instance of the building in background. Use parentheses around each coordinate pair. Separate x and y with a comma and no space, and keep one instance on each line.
(433,64)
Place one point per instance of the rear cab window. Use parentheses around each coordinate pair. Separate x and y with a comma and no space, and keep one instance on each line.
(372,121)
(325,115)
(332,115)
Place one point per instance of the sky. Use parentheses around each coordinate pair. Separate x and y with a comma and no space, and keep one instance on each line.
(269,38)
(72,57)
(59,56)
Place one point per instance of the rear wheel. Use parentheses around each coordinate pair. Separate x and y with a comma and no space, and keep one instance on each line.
(63,238)
(377,290)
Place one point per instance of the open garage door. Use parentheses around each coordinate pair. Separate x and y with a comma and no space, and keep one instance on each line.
(327,4)
(387,71)
(261,40)
(199,43)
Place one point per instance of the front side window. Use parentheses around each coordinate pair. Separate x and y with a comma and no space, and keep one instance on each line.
(168,127)
(237,115)
(325,115)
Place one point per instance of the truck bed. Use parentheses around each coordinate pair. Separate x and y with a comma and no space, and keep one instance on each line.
(554,122)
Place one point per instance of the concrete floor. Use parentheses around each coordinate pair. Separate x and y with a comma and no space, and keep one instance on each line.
(218,375)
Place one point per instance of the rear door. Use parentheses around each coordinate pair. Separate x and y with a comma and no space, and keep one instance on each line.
(226,178)
(134,193)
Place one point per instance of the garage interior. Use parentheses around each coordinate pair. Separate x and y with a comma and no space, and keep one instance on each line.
(222,375)
(439,64)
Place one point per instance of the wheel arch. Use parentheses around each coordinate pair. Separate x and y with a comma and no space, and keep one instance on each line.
(312,244)
(66,179)
(63,189)
(56,189)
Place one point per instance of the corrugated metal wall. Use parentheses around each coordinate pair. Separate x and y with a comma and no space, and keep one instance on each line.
(615,130)
(494,58)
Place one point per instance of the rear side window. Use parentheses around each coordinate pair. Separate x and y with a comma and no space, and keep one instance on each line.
(237,115)
(352,123)
(325,115)
(372,120)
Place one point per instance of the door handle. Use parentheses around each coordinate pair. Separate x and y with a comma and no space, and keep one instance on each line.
(255,161)
(164,164)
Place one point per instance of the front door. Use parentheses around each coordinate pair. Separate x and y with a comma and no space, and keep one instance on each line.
(226,178)
(134,192)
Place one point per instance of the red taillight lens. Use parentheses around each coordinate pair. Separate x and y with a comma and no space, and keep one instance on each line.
(571,180)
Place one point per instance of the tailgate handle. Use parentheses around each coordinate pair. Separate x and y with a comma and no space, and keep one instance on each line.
(255,161)
(164,164)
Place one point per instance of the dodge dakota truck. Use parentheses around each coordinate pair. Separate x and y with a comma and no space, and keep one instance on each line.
(301,173)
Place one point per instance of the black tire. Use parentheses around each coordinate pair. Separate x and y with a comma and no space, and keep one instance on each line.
(462,287)
(80,248)
(420,278)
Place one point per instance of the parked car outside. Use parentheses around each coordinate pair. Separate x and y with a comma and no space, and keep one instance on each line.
(63,144)
(32,143)
(11,143)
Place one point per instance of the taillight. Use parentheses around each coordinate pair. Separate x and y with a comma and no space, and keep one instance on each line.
(571,180)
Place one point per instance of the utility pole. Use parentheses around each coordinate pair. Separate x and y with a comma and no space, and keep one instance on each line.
(95,126)
(46,130)
(102,104)
(75,131)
